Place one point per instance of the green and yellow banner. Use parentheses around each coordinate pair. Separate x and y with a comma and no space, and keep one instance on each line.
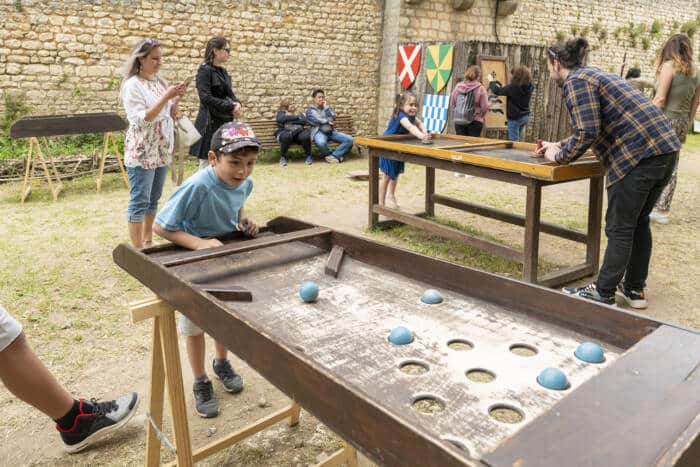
(438,65)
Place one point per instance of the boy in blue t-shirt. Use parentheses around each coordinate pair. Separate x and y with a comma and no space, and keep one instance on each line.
(210,204)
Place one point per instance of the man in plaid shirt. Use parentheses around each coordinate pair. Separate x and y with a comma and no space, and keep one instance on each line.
(638,147)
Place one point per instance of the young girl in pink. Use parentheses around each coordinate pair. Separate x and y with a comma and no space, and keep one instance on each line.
(404,120)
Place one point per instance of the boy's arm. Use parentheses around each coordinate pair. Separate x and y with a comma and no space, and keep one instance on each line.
(182,238)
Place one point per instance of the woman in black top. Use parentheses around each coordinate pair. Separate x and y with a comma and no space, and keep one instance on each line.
(292,128)
(217,102)
(518,93)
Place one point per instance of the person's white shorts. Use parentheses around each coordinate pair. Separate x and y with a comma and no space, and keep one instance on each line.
(187,327)
(9,329)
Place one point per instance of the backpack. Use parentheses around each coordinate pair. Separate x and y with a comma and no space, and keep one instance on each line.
(464,108)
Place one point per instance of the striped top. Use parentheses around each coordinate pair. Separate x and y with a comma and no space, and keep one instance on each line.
(615,120)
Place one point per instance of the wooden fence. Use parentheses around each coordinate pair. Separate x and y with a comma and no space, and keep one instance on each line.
(549,119)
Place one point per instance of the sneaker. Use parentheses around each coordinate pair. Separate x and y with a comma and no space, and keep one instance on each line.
(589,292)
(659,218)
(230,379)
(97,420)
(205,404)
(331,159)
(283,161)
(633,298)
(391,202)
(309,160)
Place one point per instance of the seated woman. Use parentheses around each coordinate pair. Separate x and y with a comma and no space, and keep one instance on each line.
(291,128)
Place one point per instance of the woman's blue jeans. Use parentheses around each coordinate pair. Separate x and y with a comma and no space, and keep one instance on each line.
(146,189)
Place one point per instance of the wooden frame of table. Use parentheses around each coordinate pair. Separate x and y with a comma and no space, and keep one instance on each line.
(533,175)
(641,410)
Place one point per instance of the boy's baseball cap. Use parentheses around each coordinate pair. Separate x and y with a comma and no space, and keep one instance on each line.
(233,136)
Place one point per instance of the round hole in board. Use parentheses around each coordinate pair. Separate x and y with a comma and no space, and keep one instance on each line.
(459,344)
(480,375)
(506,413)
(414,367)
(428,404)
(523,350)
(457,443)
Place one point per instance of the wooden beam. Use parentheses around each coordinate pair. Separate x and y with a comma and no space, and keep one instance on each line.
(243,433)
(451,233)
(148,308)
(248,245)
(486,211)
(566,275)
(334,259)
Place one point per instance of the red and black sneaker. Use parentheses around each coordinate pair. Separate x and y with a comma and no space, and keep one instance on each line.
(97,420)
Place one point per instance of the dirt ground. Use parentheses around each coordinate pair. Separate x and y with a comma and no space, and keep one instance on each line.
(58,279)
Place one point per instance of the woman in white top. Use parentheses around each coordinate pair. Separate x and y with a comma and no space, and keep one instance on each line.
(150,106)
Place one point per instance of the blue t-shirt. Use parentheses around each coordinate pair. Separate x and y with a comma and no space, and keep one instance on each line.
(395,127)
(204,206)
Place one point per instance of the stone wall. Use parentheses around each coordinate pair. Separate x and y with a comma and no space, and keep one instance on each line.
(65,56)
(605,23)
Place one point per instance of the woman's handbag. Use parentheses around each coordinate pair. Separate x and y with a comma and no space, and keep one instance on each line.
(185,134)
(293,128)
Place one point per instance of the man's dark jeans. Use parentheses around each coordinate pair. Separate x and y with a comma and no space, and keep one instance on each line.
(630,201)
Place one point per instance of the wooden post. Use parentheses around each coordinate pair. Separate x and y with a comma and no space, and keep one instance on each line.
(54,190)
(296,413)
(429,191)
(103,157)
(595,213)
(27,185)
(373,218)
(176,393)
(155,395)
(532,231)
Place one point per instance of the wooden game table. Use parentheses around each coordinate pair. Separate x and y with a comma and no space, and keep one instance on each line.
(417,404)
(505,161)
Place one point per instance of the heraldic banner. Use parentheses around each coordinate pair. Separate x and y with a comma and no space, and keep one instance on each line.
(408,64)
(435,111)
(438,65)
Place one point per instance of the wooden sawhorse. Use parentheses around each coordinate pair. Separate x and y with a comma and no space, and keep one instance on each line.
(166,371)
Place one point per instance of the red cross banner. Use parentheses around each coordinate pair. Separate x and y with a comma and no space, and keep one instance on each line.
(408,64)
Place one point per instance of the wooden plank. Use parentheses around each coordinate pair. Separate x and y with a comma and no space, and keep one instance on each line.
(239,247)
(429,191)
(486,211)
(68,124)
(346,456)
(595,214)
(233,294)
(566,275)
(630,414)
(450,232)
(373,161)
(531,243)
(176,392)
(239,435)
(334,259)
(148,308)
(155,397)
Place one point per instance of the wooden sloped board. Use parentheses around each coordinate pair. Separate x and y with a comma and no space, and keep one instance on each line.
(67,124)
(631,414)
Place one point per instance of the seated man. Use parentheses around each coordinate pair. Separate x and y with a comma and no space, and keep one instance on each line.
(322,120)
(79,422)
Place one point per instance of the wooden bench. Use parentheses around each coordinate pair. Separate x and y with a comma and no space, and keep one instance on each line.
(265,129)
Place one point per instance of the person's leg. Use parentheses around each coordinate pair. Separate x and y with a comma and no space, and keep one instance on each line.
(304,138)
(79,423)
(474,128)
(140,183)
(392,192)
(663,205)
(344,146)
(523,123)
(382,189)
(205,403)
(638,267)
(628,200)
(285,140)
(321,141)
(159,177)
(224,371)
(513,130)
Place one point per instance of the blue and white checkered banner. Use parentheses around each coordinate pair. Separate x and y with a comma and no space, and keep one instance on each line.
(435,110)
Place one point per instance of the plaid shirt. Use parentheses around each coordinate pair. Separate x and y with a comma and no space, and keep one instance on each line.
(616,121)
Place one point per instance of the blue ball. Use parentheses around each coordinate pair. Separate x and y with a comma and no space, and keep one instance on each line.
(553,378)
(400,335)
(309,291)
(431,297)
(590,352)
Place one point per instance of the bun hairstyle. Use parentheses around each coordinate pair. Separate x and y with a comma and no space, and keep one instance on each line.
(473,73)
(571,54)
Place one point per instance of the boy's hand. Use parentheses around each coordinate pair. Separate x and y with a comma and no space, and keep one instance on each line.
(205,243)
(248,226)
